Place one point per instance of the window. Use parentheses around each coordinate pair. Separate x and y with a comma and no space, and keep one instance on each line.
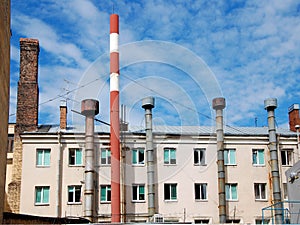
(233,221)
(138,192)
(260,191)
(258,157)
(75,156)
(42,195)
(260,221)
(43,157)
(169,156)
(229,157)
(201,191)
(286,157)
(231,191)
(138,156)
(199,156)
(74,194)
(105,193)
(105,156)
(202,221)
(10,144)
(170,191)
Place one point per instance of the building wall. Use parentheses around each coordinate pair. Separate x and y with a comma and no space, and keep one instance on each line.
(184,173)
(4,92)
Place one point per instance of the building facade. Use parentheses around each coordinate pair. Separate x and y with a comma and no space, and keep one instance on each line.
(186,174)
(4,92)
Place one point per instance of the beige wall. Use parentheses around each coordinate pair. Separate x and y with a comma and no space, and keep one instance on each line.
(4,92)
(184,173)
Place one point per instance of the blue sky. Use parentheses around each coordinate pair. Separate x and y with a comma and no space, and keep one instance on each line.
(183,53)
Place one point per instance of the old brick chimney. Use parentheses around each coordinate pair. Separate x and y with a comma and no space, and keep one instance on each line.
(27,113)
(63,115)
(28,91)
(294,116)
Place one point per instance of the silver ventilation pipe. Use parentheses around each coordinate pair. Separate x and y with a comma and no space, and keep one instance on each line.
(89,108)
(270,106)
(218,105)
(148,104)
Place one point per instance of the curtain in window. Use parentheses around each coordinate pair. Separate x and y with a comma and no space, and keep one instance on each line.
(134,156)
(142,192)
(173,192)
(232,156)
(166,156)
(38,195)
(46,194)
(234,191)
(39,157)
(103,193)
(46,157)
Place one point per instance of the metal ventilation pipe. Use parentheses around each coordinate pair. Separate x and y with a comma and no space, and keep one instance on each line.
(219,105)
(148,105)
(89,108)
(270,106)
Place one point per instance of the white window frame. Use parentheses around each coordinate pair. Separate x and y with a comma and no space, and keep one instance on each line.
(260,189)
(74,190)
(256,155)
(203,191)
(43,161)
(140,197)
(140,160)
(227,159)
(168,187)
(42,190)
(107,159)
(73,151)
(107,189)
(229,194)
(288,155)
(170,160)
(197,155)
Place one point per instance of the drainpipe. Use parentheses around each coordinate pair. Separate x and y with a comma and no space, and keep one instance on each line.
(219,105)
(89,108)
(270,106)
(148,104)
(59,176)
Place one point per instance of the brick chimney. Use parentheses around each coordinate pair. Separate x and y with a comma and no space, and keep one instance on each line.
(294,118)
(28,91)
(63,115)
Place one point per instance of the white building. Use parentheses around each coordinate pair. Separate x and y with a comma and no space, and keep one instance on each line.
(186,172)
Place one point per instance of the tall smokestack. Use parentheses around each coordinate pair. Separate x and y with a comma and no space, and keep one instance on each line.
(294,118)
(114,119)
(89,108)
(270,106)
(27,112)
(28,91)
(148,104)
(219,105)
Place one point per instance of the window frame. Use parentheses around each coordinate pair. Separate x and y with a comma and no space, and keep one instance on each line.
(136,157)
(202,191)
(107,159)
(260,189)
(231,185)
(43,160)
(43,190)
(227,157)
(256,157)
(171,158)
(107,189)
(288,154)
(139,194)
(75,157)
(201,160)
(74,192)
(170,188)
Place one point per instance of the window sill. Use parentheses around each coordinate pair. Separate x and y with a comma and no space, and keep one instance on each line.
(76,165)
(107,202)
(138,165)
(259,165)
(232,200)
(200,164)
(201,200)
(261,200)
(74,203)
(170,164)
(42,166)
(170,201)
(41,204)
(105,165)
(138,201)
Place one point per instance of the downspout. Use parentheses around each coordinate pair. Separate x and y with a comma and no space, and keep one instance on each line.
(218,105)
(59,176)
(270,106)
(89,108)
(148,104)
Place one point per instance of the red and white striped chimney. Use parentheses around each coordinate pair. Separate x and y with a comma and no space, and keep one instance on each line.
(114,119)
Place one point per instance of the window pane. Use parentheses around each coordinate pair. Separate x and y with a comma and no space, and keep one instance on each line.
(173,192)
(202,157)
(47,157)
(78,157)
(196,157)
(108,193)
(39,159)
(203,193)
(134,192)
(167,191)
(254,156)
(141,156)
(173,154)
(227,191)
(134,156)
(166,156)
(71,156)
(261,157)
(232,157)
(197,191)
(38,195)
(234,191)
(226,157)
(103,193)
(46,195)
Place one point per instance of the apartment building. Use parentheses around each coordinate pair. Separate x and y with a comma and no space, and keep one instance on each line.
(186,175)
